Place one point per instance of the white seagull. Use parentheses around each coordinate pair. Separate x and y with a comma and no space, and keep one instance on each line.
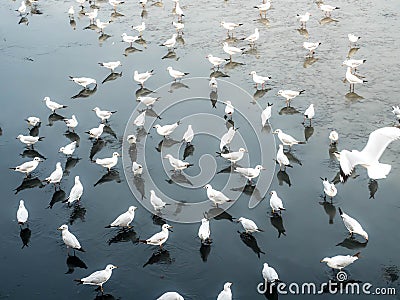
(140,28)
(147,100)
(231,50)
(28,167)
(71,12)
(108,162)
(333,137)
(56,176)
(327,9)
(129,38)
(69,239)
(353,38)
(140,119)
(76,192)
(102,25)
(177,164)
(353,79)
(92,15)
(230,26)
(234,157)
(311,47)
(33,121)
(178,26)
(22,8)
(104,115)
(229,109)
(131,139)
(227,138)
(96,132)
(179,11)
(263,7)
(275,202)
(289,95)
(137,169)
(115,3)
(215,61)
(304,19)
(213,84)
(249,225)
(354,63)
(396,112)
(287,140)
(340,261)
(252,38)
(159,238)
(112,65)
(166,130)
(282,159)
(329,188)
(124,219)
(83,81)
(309,113)
(352,225)
(71,123)
(259,79)
(99,277)
(170,43)
(204,231)
(175,73)
(226,293)
(170,296)
(217,197)
(269,274)
(22,213)
(188,135)
(142,77)
(53,106)
(68,149)
(156,201)
(266,114)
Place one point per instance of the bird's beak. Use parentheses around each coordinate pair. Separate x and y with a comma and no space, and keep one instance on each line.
(16,138)
(119,154)
(169,228)
(154,126)
(270,193)
(274,132)
(59,228)
(262,168)
(321,260)
(321,178)
(165,157)
(93,109)
(115,267)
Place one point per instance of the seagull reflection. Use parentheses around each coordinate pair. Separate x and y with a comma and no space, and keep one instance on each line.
(352,244)
(157,220)
(179,177)
(250,190)
(327,20)
(352,51)
(91,27)
(252,51)
(189,150)
(303,32)
(133,152)
(352,96)
(332,150)
(150,113)
(271,292)
(264,21)
(390,273)
(214,98)
(373,188)
(96,148)
(177,85)
(218,73)
(138,181)
(292,158)
(166,143)
(34,131)
(232,64)
(78,213)
(250,241)
(180,39)
(25,235)
(124,236)
(228,169)
(32,153)
(130,50)
(267,128)
(35,10)
(103,37)
(330,210)
(29,183)
(277,222)
(160,256)
(112,175)
(171,55)
(337,180)
(283,177)
(205,251)
(58,196)
(24,20)
(54,117)
(308,132)
(107,129)
(73,262)
(73,137)
(104,297)
(70,164)
(219,214)
(1,131)
(142,91)
(309,61)
(230,123)
(141,41)
(115,15)
(72,23)
(143,14)
(260,93)
(85,92)
(288,110)
(111,77)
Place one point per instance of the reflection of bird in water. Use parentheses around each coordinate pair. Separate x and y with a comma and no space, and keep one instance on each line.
(58,196)
(228,169)
(157,220)
(250,190)
(309,61)
(232,65)
(130,50)
(219,214)
(132,152)
(308,132)
(73,262)
(337,177)
(271,292)
(78,213)
(352,243)
(327,20)
(390,273)
(218,73)
(138,181)
(283,177)
(330,210)
(288,110)
(303,32)
(103,37)
(260,93)
(72,136)
(34,131)
(70,164)
(29,183)
(104,297)
(277,222)
(96,148)
(85,92)
(72,23)
(124,236)
(110,131)
(179,177)
(161,256)
(170,55)
(373,188)
(292,158)
(111,77)
(352,96)
(142,92)
(250,241)
(24,20)
(189,150)
(205,251)
(166,143)
(352,51)
(54,117)
(32,153)
(112,175)
(25,235)
(150,113)
(214,99)
(177,85)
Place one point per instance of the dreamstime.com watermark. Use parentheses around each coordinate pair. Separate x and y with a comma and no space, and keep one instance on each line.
(342,287)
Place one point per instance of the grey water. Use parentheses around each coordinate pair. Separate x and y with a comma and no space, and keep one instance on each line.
(40,51)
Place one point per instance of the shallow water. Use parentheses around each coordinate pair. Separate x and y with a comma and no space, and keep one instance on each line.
(36,61)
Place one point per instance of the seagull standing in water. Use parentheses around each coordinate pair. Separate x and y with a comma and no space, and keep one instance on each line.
(235,156)
(22,213)
(230,26)
(333,137)
(263,7)
(289,95)
(353,79)
(213,84)
(170,43)
(33,121)
(83,81)
(129,39)
(68,149)
(204,231)
(53,106)
(227,138)
(340,261)
(188,135)
(353,38)
(269,274)
(56,176)
(28,167)
(125,219)
(352,225)
(215,61)
(99,277)
(76,192)
(96,132)
(104,115)
(159,238)
(266,114)
(69,239)
(253,38)
(108,162)
(249,225)
(140,119)
(137,169)
(303,19)
(142,77)
(140,28)
(259,79)
(231,50)
(311,47)
(226,293)
(287,140)
(170,296)
(112,65)
(28,139)
(229,109)
(282,159)
(71,123)
(156,201)
(250,173)
(217,197)
(176,74)
(329,188)
(166,130)
(275,202)
(309,113)
(177,164)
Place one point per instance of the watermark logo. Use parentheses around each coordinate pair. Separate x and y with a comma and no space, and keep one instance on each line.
(193,102)
(341,276)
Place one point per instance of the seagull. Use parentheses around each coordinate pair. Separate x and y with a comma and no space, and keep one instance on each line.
(333,137)
(68,149)
(83,81)
(115,3)
(229,109)
(215,61)
(369,157)
(178,11)
(282,159)
(76,192)
(96,132)
(229,26)
(170,296)
(303,19)
(176,74)
(249,225)
(112,65)
(147,100)
(329,188)
(69,239)
(252,38)
(22,213)
(227,138)
(266,114)
(259,79)
(204,231)
(354,63)
(99,277)
(53,106)
(352,225)
(156,201)
(81,2)
(263,7)
(234,157)
(56,176)
(137,169)
(22,8)
(250,173)
(269,274)
(289,95)
(177,164)
(125,219)
(188,135)
(213,84)
(92,15)
(327,9)
(340,261)
(159,238)
(129,38)
(217,197)
(29,140)
(104,115)
(353,79)
(226,293)
(142,77)
(28,167)
(170,43)
(108,162)
(311,47)
(139,121)
(275,202)
(102,25)
(143,3)
(353,38)
(71,123)
(33,121)
(396,112)
(309,113)
(166,130)
(178,26)
(286,139)
(231,50)
(140,28)
(131,139)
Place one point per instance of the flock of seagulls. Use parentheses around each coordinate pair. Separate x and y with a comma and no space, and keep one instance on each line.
(348,160)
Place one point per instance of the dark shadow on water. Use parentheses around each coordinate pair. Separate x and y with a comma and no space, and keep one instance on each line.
(170,55)
(166,143)
(205,252)
(161,256)
(213,99)
(123,236)
(218,213)
(188,151)
(327,20)
(352,96)
(308,132)
(58,196)
(309,61)
(232,65)
(303,32)
(72,23)
(179,177)
(352,51)
(103,37)
(96,148)
(29,183)
(110,131)
(85,92)
(176,86)
(260,93)
(330,210)
(34,131)
(157,220)
(283,177)
(142,92)
(250,190)
(292,158)
(139,182)
(70,164)
(277,222)
(32,153)
(352,244)
(54,117)
(73,262)
(132,152)
(25,235)
(77,213)
(228,169)
(104,297)
(112,175)
(131,50)
(218,73)
(150,113)
(250,241)
(24,20)
(288,111)
(373,188)
(73,137)
(111,77)
(271,292)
